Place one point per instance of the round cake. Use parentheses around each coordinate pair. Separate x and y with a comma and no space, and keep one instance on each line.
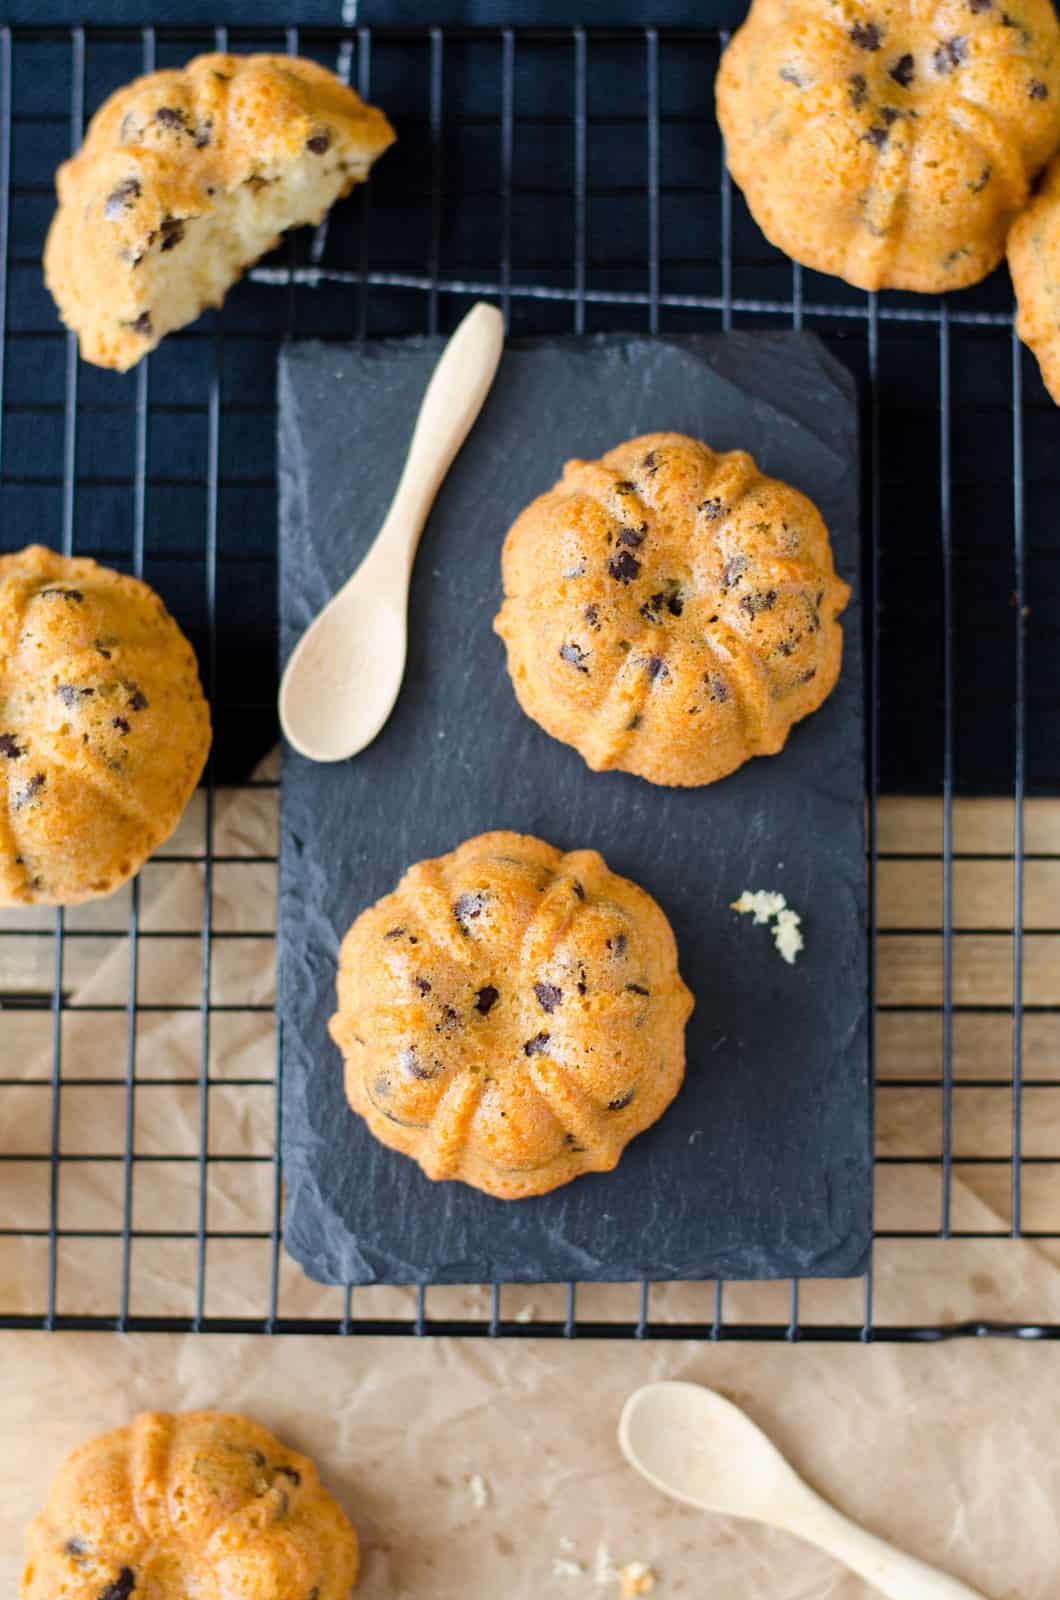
(891,143)
(185,178)
(104,730)
(1034,261)
(670,611)
(197,1504)
(511,1016)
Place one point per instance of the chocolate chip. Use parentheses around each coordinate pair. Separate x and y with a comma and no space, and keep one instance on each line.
(422,985)
(623,567)
(548,997)
(575,655)
(809,675)
(223,77)
(203,133)
(733,570)
(22,797)
(121,1588)
(172,231)
(877,137)
(69,695)
(121,198)
(468,907)
(450,1017)
(101,645)
(718,688)
(655,667)
(866,35)
(979,5)
(119,723)
(651,464)
(9,747)
(592,616)
(410,1062)
(950,53)
(75,1547)
(904,70)
(859,90)
(579,892)
(292,1473)
(137,699)
(761,600)
(711,509)
(634,537)
(576,1148)
(636,988)
(486,999)
(537,1045)
(1037,89)
(583,987)
(634,722)
(621,1101)
(889,115)
(319,143)
(393,933)
(977,185)
(256,1456)
(169,117)
(255,183)
(790,75)
(74,596)
(617,945)
(625,487)
(142,325)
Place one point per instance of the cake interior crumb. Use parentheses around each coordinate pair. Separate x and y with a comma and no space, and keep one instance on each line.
(479,1491)
(767,905)
(637,1578)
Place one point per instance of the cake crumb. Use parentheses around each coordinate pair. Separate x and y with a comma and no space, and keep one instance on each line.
(567,1546)
(479,1491)
(564,1567)
(637,1578)
(767,905)
(604,1570)
(526,1313)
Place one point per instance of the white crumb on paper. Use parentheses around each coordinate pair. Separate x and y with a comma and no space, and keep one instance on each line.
(567,1546)
(604,1569)
(526,1313)
(479,1491)
(637,1578)
(766,905)
(564,1567)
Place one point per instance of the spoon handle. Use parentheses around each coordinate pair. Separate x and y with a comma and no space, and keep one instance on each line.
(900,1576)
(454,397)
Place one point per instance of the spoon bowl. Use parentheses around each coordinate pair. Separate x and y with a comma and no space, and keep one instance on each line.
(698,1447)
(345,673)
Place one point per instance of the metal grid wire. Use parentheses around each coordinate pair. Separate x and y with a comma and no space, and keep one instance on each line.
(577,177)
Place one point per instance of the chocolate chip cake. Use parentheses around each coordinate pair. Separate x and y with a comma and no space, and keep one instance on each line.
(1034,261)
(184,179)
(511,1016)
(891,143)
(104,730)
(194,1504)
(670,611)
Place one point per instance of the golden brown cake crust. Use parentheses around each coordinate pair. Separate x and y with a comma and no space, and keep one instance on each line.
(511,1016)
(200,1503)
(104,730)
(1034,261)
(187,176)
(891,142)
(670,611)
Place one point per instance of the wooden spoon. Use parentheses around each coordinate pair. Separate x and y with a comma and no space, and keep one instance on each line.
(344,674)
(697,1447)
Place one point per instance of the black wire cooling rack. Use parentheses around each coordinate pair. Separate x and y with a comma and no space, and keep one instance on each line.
(575,176)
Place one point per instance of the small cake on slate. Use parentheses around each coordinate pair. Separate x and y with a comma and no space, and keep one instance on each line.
(886,141)
(104,730)
(511,1016)
(199,1503)
(1034,261)
(184,179)
(670,611)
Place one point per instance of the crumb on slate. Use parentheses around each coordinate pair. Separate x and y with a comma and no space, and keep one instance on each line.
(526,1313)
(479,1491)
(564,1567)
(637,1578)
(766,905)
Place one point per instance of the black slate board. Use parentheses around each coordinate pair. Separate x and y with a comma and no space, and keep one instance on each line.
(762,1167)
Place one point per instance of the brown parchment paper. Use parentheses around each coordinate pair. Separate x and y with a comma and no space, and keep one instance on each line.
(479,1469)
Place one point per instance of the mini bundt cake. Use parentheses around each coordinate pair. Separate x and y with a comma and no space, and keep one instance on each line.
(670,611)
(197,1504)
(888,141)
(104,730)
(511,1016)
(1034,261)
(184,179)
